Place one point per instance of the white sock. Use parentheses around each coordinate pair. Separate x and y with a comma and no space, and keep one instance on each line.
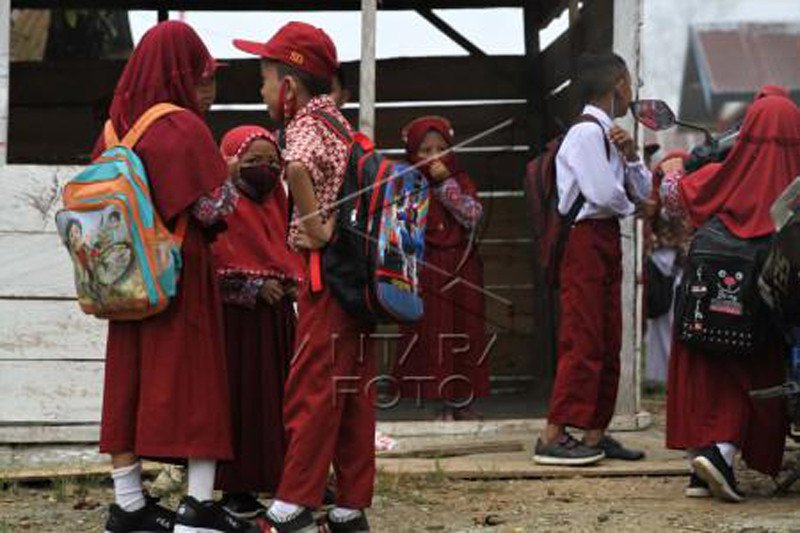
(728,451)
(128,487)
(201,479)
(343,514)
(282,511)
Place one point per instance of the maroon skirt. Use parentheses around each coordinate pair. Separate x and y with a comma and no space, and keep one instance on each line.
(166,386)
(449,359)
(259,347)
(708,402)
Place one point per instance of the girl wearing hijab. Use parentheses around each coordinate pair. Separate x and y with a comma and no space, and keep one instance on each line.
(166,388)
(446,362)
(258,275)
(709,413)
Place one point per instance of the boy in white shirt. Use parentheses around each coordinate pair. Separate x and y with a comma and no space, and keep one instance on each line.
(608,180)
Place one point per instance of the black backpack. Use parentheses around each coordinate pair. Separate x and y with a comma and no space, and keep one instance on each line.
(373,263)
(718,307)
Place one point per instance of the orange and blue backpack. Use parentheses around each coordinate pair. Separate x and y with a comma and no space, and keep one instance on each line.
(126,262)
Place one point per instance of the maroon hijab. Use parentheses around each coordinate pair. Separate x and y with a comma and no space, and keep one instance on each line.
(166,66)
(443,230)
(178,151)
(256,237)
(764,161)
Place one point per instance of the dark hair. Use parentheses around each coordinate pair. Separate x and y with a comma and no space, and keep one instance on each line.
(598,73)
(72,223)
(339,75)
(315,86)
(115,214)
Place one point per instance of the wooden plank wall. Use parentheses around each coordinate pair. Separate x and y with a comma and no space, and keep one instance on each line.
(51,354)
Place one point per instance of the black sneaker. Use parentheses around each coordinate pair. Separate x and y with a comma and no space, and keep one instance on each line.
(697,488)
(301,522)
(711,467)
(615,450)
(242,505)
(329,498)
(566,452)
(196,517)
(151,517)
(356,524)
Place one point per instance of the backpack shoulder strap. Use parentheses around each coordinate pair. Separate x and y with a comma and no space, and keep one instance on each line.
(138,129)
(333,124)
(586,117)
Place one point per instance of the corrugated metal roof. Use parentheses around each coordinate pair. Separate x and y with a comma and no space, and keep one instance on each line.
(741,58)
(729,62)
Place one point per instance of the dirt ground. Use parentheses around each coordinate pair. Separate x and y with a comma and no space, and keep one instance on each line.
(434,503)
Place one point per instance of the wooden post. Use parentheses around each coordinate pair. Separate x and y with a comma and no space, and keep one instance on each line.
(366,113)
(5,58)
(627,43)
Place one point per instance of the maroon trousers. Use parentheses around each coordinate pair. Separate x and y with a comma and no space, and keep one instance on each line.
(329,412)
(585,389)
(259,344)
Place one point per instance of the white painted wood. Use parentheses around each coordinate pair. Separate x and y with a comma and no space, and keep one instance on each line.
(31,196)
(50,391)
(33,330)
(5,38)
(367,90)
(627,29)
(37,434)
(35,265)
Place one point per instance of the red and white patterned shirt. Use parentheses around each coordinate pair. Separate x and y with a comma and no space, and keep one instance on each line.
(321,151)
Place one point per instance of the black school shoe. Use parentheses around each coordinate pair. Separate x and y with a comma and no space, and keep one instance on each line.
(195,517)
(242,505)
(568,451)
(357,524)
(302,522)
(615,450)
(151,517)
(697,488)
(711,467)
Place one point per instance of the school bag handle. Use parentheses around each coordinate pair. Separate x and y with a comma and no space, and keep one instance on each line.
(132,137)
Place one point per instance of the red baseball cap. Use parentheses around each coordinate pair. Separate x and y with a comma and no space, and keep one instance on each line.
(298,45)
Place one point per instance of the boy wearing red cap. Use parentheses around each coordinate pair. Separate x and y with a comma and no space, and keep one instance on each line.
(328,412)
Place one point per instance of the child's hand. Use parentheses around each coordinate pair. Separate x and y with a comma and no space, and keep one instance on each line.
(438,171)
(272,291)
(624,143)
(304,239)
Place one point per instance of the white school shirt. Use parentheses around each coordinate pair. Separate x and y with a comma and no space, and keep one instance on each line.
(583,166)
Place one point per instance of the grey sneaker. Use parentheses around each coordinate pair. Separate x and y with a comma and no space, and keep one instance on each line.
(568,451)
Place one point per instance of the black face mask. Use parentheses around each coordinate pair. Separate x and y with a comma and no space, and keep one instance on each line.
(257,181)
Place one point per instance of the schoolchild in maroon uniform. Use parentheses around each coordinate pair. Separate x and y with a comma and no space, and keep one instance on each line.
(258,276)
(166,390)
(328,411)
(446,361)
(709,412)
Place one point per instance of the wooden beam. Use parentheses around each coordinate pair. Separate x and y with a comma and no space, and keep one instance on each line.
(264,5)
(440,24)
(5,37)
(627,42)
(366,98)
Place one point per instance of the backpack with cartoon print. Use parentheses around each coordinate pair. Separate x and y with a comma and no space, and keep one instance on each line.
(718,307)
